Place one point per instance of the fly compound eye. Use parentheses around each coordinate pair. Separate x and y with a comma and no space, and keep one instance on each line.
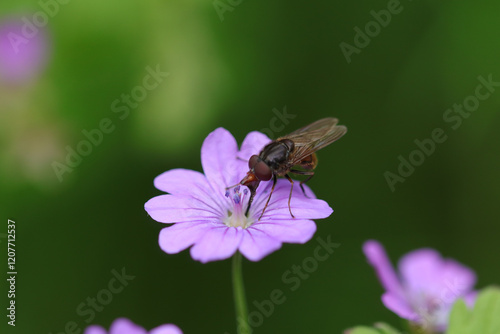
(262,171)
(253,160)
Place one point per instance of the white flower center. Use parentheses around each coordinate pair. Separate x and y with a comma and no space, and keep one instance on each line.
(433,311)
(237,217)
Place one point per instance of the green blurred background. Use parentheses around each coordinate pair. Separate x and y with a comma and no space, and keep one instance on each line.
(232,73)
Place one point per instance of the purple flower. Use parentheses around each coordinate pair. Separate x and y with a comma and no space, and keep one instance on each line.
(213,220)
(23,50)
(125,326)
(426,286)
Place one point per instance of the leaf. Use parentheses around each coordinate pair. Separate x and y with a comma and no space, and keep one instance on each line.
(483,319)
(385,328)
(380,328)
(361,330)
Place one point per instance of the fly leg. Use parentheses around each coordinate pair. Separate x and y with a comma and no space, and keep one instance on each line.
(290,196)
(303,172)
(269,198)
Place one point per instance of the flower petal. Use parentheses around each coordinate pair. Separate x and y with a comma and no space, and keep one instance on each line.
(181,181)
(218,149)
(94,329)
(294,231)
(189,183)
(310,209)
(166,329)
(425,271)
(173,209)
(256,244)
(218,243)
(20,64)
(302,207)
(399,306)
(253,143)
(125,326)
(470,298)
(378,259)
(178,237)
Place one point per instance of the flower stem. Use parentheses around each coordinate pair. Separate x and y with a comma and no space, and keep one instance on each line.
(240,302)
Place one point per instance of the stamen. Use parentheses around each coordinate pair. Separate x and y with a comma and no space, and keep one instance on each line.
(237,198)
(235,216)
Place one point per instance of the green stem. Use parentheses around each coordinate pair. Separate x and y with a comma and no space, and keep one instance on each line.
(240,302)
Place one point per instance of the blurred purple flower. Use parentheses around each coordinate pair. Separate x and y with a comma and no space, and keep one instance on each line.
(426,287)
(214,221)
(23,50)
(125,326)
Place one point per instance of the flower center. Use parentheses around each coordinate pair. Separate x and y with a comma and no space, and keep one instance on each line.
(431,310)
(237,217)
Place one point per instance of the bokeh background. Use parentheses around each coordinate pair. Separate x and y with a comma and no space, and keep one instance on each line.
(235,66)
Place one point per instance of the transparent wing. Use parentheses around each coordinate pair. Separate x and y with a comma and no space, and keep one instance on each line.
(314,137)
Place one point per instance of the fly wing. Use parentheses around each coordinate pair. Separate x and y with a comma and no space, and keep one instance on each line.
(314,137)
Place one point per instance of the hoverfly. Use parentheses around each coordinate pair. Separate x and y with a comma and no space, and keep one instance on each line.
(285,154)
